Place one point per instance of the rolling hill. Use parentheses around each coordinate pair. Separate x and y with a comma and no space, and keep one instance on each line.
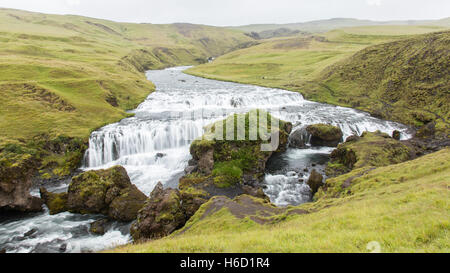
(336,23)
(65,76)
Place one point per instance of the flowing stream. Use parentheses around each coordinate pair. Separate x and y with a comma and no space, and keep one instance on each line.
(154,146)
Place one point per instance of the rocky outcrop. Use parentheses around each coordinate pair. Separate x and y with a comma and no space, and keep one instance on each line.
(371,149)
(315,181)
(396,135)
(162,214)
(325,135)
(299,138)
(231,167)
(15,183)
(99,227)
(242,208)
(219,168)
(107,192)
(56,202)
(316,135)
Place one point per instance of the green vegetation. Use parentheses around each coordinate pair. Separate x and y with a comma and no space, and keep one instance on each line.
(69,75)
(371,149)
(375,69)
(404,207)
(232,158)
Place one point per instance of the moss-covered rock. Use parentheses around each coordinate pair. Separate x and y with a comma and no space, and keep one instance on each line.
(325,135)
(230,162)
(16,171)
(235,157)
(220,167)
(56,202)
(107,192)
(371,149)
(248,210)
(162,214)
(99,227)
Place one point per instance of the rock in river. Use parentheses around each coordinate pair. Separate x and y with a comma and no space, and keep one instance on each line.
(15,184)
(161,215)
(107,192)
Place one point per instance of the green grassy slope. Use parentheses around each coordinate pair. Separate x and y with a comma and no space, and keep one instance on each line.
(406,80)
(336,23)
(58,71)
(328,69)
(403,207)
(68,75)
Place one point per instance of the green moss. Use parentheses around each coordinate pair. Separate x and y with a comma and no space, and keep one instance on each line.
(324,131)
(371,149)
(58,204)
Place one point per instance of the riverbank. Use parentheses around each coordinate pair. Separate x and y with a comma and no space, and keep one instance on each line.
(153,146)
(400,208)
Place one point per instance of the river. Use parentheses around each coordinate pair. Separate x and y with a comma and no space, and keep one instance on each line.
(154,146)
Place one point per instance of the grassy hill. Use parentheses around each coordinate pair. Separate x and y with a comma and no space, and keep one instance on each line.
(337,23)
(403,207)
(376,69)
(405,80)
(68,75)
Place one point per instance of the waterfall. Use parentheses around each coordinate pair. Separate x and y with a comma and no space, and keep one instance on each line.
(153,146)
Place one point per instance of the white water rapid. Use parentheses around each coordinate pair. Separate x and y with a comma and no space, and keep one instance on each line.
(154,146)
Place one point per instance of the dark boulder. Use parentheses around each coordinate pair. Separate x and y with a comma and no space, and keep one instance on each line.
(15,182)
(315,181)
(299,138)
(56,202)
(109,192)
(162,214)
(396,135)
(352,138)
(324,135)
(99,227)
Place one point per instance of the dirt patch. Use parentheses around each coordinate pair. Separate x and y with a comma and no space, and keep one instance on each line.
(103,27)
(245,206)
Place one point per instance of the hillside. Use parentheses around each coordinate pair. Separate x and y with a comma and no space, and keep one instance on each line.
(406,80)
(336,23)
(400,208)
(397,77)
(68,75)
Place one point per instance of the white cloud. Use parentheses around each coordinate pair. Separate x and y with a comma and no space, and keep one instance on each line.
(374,3)
(73,3)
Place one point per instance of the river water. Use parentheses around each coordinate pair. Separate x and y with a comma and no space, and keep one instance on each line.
(154,146)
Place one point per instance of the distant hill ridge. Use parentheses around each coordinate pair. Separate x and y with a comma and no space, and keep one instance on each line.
(335,23)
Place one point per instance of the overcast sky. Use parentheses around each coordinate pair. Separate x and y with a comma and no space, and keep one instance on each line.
(238,12)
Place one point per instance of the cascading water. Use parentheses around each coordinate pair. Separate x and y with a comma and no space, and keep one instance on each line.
(154,146)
